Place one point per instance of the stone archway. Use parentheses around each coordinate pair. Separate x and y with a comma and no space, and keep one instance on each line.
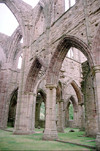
(79,114)
(25,121)
(52,78)
(78,92)
(8,73)
(71,122)
(40,117)
(64,45)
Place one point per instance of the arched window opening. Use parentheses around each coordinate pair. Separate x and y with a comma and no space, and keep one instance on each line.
(8,22)
(42,111)
(69,3)
(12,109)
(20,62)
(73,64)
(71,111)
(76,55)
(21,41)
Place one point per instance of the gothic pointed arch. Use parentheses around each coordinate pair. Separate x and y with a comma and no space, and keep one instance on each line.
(32,76)
(77,89)
(78,92)
(64,45)
(72,99)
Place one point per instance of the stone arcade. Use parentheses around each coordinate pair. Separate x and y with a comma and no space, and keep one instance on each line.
(61,66)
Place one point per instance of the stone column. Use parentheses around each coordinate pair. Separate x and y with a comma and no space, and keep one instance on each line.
(5,83)
(66,116)
(76,118)
(97,77)
(25,118)
(50,132)
(91,127)
(60,127)
(81,120)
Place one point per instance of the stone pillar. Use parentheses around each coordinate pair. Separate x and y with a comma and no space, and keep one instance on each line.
(91,127)
(50,132)
(97,77)
(75,118)
(60,127)
(81,121)
(5,82)
(25,114)
(3,100)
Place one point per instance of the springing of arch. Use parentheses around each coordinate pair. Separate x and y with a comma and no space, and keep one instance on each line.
(64,45)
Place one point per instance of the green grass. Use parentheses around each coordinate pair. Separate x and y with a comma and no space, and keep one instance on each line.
(77,137)
(8,141)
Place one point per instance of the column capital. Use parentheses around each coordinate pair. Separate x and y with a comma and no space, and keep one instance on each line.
(51,86)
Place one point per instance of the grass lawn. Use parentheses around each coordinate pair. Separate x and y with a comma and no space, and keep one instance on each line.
(77,137)
(8,141)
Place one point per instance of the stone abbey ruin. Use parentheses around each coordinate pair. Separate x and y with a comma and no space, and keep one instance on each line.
(60,68)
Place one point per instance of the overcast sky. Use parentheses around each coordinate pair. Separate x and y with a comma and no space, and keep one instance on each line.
(8,23)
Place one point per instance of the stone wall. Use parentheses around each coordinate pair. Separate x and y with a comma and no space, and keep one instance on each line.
(48,33)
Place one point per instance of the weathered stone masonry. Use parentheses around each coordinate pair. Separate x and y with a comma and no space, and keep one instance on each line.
(48,33)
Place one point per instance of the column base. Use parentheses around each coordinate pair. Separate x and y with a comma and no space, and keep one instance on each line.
(60,129)
(50,135)
(20,132)
(98,142)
